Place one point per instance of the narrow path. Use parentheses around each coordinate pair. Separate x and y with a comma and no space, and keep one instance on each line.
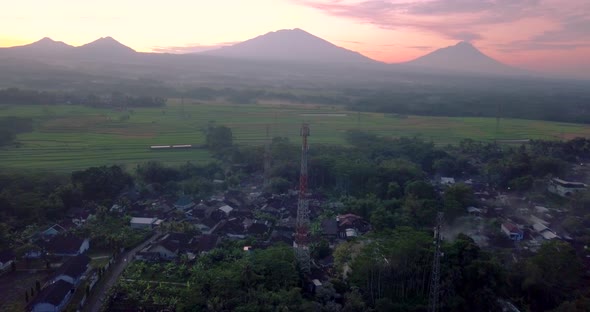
(96,300)
(155,282)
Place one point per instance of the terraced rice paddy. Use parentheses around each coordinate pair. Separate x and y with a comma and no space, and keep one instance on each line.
(72,137)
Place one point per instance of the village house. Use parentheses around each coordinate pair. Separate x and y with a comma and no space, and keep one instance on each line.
(330,228)
(232,228)
(73,270)
(512,231)
(169,247)
(52,231)
(474,211)
(184,203)
(6,259)
(53,298)
(282,236)
(205,225)
(544,231)
(565,188)
(33,251)
(207,243)
(227,209)
(66,245)
(144,223)
(351,225)
(80,216)
(258,228)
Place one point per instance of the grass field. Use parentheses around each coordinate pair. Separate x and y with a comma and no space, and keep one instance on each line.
(71,137)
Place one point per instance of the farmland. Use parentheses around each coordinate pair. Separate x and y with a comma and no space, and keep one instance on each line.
(70,137)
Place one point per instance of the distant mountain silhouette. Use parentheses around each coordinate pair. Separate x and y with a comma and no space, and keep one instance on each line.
(462,57)
(105,46)
(290,45)
(47,44)
(45,47)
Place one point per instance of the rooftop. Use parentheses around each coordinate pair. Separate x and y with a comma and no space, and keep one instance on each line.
(64,244)
(6,255)
(511,227)
(207,242)
(74,266)
(141,220)
(184,201)
(330,226)
(53,294)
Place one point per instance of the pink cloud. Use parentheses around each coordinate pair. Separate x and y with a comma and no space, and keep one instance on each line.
(467,19)
(190,48)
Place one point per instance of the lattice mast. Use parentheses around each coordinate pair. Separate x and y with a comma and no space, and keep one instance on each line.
(434,296)
(301,242)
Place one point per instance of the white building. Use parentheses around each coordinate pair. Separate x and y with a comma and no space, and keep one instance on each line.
(447,181)
(226,209)
(143,223)
(565,188)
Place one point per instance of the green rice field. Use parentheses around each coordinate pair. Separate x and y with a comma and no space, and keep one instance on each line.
(70,137)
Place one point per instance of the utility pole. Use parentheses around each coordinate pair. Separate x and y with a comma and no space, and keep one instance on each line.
(301,242)
(434,295)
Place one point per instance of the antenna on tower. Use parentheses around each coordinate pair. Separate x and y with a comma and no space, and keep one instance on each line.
(434,295)
(301,242)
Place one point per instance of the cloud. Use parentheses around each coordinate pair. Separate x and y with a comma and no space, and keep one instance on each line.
(190,48)
(575,27)
(530,45)
(422,48)
(349,41)
(467,20)
(450,18)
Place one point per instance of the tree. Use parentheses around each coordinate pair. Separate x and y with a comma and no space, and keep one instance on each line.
(523,183)
(219,138)
(551,276)
(4,236)
(420,189)
(472,279)
(320,250)
(456,198)
(278,185)
(156,172)
(102,183)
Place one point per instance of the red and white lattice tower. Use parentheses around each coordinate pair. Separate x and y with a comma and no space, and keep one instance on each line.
(301,242)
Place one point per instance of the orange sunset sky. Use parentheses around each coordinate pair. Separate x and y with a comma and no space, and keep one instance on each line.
(547,35)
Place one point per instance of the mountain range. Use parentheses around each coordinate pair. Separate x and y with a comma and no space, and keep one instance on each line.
(280,60)
(293,45)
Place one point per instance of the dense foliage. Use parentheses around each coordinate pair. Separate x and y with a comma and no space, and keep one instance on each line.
(386,181)
(15,96)
(11,126)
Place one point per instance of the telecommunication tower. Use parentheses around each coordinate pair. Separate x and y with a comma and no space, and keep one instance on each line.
(434,295)
(301,241)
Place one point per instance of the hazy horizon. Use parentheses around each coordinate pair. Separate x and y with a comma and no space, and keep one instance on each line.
(549,35)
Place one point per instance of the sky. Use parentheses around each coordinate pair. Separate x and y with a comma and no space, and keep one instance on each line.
(543,35)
